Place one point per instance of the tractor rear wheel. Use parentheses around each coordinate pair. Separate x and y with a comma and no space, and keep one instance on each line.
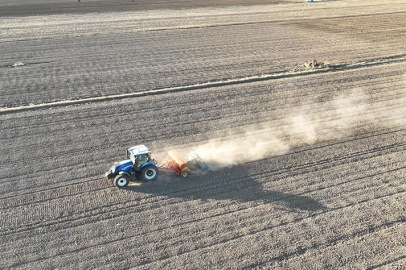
(149,173)
(121,180)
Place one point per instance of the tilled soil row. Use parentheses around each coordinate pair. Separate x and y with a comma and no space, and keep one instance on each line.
(332,197)
(232,184)
(383,93)
(91,66)
(216,236)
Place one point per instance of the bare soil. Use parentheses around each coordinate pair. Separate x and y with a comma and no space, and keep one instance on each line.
(308,165)
(51,7)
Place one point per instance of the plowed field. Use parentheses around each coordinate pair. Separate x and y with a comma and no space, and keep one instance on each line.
(308,164)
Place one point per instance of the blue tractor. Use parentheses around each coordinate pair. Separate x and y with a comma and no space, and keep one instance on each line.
(138,165)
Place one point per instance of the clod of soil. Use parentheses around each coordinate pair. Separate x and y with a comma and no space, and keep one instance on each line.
(18,64)
(311,65)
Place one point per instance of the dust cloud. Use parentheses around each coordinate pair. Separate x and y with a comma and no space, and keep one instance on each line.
(250,146)
(338,117)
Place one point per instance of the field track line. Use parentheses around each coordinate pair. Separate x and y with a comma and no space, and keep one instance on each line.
(386,263)
(209,25)
(274,173)
(100,117)
(94,178)
(250,79)
(232,239)
(332,242)
(358,233)
(376,111)
(74,191)
(97,215)
(253,232)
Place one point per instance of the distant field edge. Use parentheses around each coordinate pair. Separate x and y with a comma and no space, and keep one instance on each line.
(30,8)
(299,71)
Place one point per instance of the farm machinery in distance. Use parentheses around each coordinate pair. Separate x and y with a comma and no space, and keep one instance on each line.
(140,165)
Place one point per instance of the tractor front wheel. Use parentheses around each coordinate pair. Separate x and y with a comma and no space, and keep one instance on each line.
(149,173)
(184,173)
(121,180)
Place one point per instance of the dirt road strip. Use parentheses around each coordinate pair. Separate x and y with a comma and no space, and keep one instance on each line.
(264,77)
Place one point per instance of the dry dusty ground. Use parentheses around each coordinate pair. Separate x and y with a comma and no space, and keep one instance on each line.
(308,164)
(48,7)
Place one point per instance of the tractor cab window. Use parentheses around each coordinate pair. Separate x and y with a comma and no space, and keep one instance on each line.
(139,160)
(143,158)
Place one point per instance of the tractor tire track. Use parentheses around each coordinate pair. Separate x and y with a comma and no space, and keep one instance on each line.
(336,202)
(208,188)
(232,239)
(324,145)
(200,86)
(231,119)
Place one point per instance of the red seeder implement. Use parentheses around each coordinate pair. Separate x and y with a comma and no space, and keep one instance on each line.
(180,165)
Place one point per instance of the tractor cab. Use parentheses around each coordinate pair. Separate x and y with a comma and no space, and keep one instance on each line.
(138,155)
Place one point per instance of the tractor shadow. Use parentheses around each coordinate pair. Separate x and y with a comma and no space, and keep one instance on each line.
(235,183)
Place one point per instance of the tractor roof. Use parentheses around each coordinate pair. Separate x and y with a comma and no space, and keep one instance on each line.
(138,150)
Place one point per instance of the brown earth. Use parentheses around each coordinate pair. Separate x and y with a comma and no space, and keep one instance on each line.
(43,7)
(308,165)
